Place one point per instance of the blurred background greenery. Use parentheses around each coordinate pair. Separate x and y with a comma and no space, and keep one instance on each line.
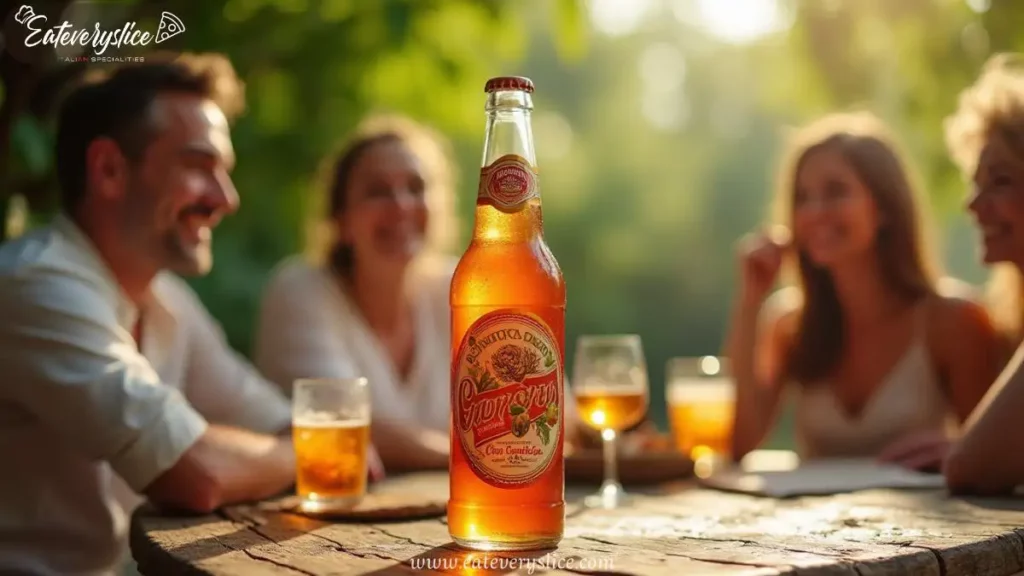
(657,122)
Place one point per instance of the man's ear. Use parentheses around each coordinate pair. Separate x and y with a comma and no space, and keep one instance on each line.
(106,168)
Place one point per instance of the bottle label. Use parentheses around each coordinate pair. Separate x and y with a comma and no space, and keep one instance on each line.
(507,183)
(507,397)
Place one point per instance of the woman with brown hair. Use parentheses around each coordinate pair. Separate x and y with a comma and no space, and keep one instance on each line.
(986,138)
(879,360)
(372,300)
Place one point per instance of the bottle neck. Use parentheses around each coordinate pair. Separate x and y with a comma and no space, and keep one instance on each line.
(508,203)
(508,126)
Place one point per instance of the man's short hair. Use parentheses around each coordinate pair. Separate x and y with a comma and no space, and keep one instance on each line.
(117,106)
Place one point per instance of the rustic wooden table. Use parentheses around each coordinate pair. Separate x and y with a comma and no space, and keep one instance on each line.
(673,529)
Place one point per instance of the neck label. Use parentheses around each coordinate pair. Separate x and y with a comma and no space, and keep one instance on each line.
(508,183)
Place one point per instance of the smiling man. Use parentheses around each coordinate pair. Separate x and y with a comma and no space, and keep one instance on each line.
(109,362)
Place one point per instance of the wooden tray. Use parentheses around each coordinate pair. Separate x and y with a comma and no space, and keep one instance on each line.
(645,456)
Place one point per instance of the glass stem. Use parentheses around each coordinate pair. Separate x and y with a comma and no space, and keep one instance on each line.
(611,473)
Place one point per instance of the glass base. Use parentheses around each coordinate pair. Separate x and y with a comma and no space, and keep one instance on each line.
(611,496)
(319,505)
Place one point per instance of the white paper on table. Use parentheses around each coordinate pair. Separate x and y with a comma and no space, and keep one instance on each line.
(822,477)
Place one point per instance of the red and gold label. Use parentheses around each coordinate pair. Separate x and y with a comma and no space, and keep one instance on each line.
(507,183)
(507,397)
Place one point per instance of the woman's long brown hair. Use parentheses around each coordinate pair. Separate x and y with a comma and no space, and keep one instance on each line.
(905,261)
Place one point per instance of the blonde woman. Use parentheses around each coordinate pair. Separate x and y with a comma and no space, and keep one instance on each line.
(880,362)
(373,301)
(986,138)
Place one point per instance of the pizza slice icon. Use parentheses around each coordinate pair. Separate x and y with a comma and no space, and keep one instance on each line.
(170,26)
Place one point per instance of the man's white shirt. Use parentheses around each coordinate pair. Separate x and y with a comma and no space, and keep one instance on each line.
(79,402)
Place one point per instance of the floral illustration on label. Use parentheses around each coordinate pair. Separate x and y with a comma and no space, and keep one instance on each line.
(507,183)
(507,388)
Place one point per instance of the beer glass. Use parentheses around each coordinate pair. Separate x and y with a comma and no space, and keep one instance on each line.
(610,387)
(331,433)
(701,400)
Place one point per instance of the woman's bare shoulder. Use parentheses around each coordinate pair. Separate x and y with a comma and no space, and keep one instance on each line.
(953,288)
(955,303)
(956,315)
(781,309)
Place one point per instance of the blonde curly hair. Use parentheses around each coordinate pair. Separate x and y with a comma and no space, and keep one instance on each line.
(993,108)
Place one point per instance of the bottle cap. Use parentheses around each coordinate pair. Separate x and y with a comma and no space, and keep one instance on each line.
(509,83)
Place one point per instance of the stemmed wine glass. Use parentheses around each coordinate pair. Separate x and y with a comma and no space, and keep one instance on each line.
(610,386)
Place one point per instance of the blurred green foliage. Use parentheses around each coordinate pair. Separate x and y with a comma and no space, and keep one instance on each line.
(657,137)
(313,70)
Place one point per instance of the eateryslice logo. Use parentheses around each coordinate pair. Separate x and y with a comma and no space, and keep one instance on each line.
(65,34)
